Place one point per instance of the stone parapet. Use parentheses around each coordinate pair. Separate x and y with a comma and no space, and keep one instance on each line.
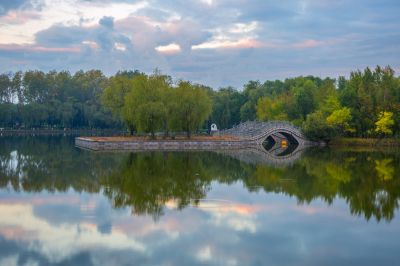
(167,145)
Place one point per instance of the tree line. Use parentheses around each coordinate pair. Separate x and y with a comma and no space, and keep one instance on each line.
(366,104)
(35,99)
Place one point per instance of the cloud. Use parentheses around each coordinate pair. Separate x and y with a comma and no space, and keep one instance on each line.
(107,22)
(120,46)
(169,49)
(226,44)
(308,44)
(5,6)
(98,36)
(207,38)
(236,36)
(204,254)
(17,17)
(38,49)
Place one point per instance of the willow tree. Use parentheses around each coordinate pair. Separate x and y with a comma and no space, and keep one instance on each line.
(144,105)
(113,97)
(193,107)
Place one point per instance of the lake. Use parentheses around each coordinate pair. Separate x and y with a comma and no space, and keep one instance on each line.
(60,205)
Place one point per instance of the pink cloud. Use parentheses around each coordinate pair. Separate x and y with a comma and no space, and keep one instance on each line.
(12,232)
(143,226)
(169,49)
(227,44)
(16,17)
(310,43)
(36,48)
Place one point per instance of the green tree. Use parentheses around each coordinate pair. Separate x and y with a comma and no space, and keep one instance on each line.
(252,91)
(193,107)
(5,89)
(304,98)
(226,107)
(316,127)
(271,109)
(143,106)
(113,96)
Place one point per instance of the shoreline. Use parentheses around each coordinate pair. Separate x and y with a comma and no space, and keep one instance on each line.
(365,142)
(46,132)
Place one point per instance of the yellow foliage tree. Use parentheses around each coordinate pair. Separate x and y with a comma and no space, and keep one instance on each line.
(339,119)
(385,169)
(384,123)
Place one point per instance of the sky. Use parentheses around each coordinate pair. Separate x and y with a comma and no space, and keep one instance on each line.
(214,42)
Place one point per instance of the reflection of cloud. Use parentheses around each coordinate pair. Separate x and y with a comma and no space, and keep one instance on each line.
(204,254)
(10,260)
(234,221)
(170,226)
(239,217)
(242,217)
(58,242)
(40,200)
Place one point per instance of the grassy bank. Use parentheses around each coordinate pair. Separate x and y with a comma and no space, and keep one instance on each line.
(365,142)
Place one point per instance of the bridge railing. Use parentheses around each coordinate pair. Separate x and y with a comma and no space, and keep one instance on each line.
(252,129)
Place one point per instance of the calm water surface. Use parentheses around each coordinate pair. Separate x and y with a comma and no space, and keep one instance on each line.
(60,205)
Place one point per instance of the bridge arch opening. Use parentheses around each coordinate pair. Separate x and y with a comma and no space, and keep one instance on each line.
(280,143)
(292,140)
(268,143)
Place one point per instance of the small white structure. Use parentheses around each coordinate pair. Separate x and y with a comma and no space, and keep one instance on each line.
(214,128)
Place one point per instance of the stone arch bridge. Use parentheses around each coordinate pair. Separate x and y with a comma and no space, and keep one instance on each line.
(266,139)
(276,131)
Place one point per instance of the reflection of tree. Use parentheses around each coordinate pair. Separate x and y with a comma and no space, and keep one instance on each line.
(50,163)
(368,181)
(384,168)
(365,180)
(147,181)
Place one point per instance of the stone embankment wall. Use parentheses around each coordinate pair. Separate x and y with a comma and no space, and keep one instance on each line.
(168,145)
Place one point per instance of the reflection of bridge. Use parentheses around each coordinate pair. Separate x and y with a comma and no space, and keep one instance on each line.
(262,156)
(276,143)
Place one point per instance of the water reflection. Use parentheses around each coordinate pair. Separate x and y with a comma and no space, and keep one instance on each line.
(63,206)
(368,181)
(146,182)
